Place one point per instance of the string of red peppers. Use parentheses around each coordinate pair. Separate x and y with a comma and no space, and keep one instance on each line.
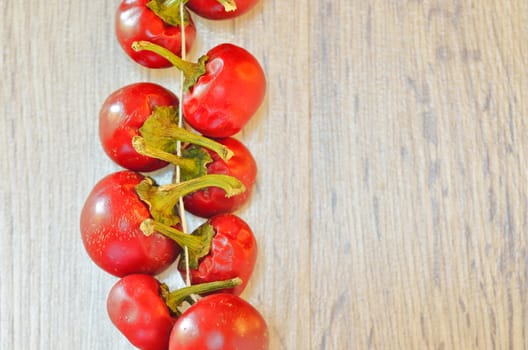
(133,228)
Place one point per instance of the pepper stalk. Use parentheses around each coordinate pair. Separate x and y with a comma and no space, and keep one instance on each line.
(170,11)
(161,130)
(198,243)
(192,71)
(162,200)
(176,298)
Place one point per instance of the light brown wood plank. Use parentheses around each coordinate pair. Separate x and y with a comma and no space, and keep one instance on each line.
(419,195)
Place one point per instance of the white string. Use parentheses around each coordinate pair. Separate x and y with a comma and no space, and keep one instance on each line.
(181,206)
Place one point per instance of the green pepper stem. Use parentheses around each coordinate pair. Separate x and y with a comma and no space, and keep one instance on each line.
(229,5)
(231,185)
(163,199)
(184,135)
(177,297)
(191,71)
(169,11)
(162,130)
(141,147)
(194,243)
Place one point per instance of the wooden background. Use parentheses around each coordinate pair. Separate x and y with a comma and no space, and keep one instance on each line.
(391,206)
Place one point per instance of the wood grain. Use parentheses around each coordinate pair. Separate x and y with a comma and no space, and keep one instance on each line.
(391,207)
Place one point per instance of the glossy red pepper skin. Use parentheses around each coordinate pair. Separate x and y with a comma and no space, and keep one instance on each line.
(212,9)
(110,229)
(230,92)
(233,253)
(134,21)
(220,321)
(136,308)
(213,201)
(122,114)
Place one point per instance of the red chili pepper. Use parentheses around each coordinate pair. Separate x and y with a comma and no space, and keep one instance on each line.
(110,229)
(223,247)
(220,321)
(152,21)
(212,200)
(220,9)
(233,253)
(225,88)
(120,118)
(135,306)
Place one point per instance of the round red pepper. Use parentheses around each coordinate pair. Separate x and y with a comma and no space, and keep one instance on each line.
(216,9)
(233,253)
(110,229)
(212,200)
(135,21)
(121,116)
(220,321)
(224,247)
(225,88)
(135,306)
(225,98)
